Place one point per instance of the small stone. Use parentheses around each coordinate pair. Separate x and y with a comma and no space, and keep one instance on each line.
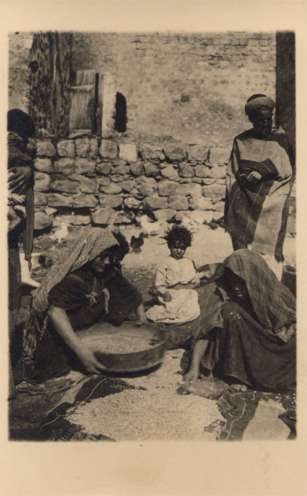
(102,216)
(86,185)
(167,188)
(214,191)
(42,221)
(85,166)
(93,151)
(84,201)
(66,148)
(147,186)
(164,215)
(50,210)
(151,170)
(64,166)
(121,170)
(198,180)
(186,170)
(219,155)
(202,171)
(57,201)
(79,220)
(178,203)
(200,203)
(207,181)
(151,152)
(103,181)
(218,172)
(103,168)
(43,165)
(132,202)
(40,199)
(113,201)
(127,186)
(112,189)
(219,206)
(41,181)
(64,186)
(45,149)
(137,169)
(155,202)
(174,152)
(108,149)
(170,173)
(128,152)
(198,153)
(117,178)
(201,216)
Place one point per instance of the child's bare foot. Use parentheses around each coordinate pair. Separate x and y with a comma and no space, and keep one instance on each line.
(191,376)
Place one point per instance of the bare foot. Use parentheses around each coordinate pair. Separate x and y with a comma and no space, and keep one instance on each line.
(191,376)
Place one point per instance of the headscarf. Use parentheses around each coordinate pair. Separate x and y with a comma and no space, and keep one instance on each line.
(272,302)
(257,102)
(91,243)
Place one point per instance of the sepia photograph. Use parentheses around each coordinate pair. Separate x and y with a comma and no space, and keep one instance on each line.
(151,226)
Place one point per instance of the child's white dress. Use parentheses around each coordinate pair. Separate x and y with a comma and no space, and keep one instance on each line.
(184,306)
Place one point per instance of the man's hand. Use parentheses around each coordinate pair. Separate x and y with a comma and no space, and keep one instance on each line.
(253,177)
(19,179)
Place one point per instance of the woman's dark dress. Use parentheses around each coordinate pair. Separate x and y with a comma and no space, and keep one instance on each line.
(80,295)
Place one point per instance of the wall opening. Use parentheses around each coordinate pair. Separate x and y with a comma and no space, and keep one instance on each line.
(120,124)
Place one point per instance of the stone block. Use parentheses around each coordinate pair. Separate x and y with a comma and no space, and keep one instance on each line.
(85,166)
(189,189)
(108,149)
(111,189)
(137,169)
(45,149)
(219,155)
(43,165)
(151,170)
(200,203)
(103,168)
(218,172)
(79,220)
(59,201)
(201,216)
(103,181)
(170,172)
(155,202)
(165,215)
(167,188)
(128,185)
(123,218)
(83,147)
(186,170)
(131,202)
(66,148)
(178,203)
(112,201)
(102,216)
(64,186)
(151,152)
(128,152)
(121,170)
(174,152)
(65,166)
(147,186)
(202,171)
(42,221)
(40,199)
(41,181)
(86,185)
(198,153)
(214,191)
(84,201)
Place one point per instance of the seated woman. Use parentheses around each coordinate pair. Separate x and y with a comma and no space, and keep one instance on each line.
(247,332)
(175,283)
(86,287)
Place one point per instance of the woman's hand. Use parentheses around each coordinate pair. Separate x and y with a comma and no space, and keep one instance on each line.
(19,179)
(89,361)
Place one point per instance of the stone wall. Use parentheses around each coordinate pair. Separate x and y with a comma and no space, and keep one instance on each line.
(191,86)
(85,181)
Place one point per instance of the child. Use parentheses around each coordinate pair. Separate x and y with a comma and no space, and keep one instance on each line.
(175,282)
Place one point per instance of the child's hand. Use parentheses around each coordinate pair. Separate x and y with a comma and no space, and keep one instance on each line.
(167,296)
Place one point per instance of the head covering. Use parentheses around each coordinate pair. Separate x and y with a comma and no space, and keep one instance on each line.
(258,101)
(90,244)
(272,302)
(21,123)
